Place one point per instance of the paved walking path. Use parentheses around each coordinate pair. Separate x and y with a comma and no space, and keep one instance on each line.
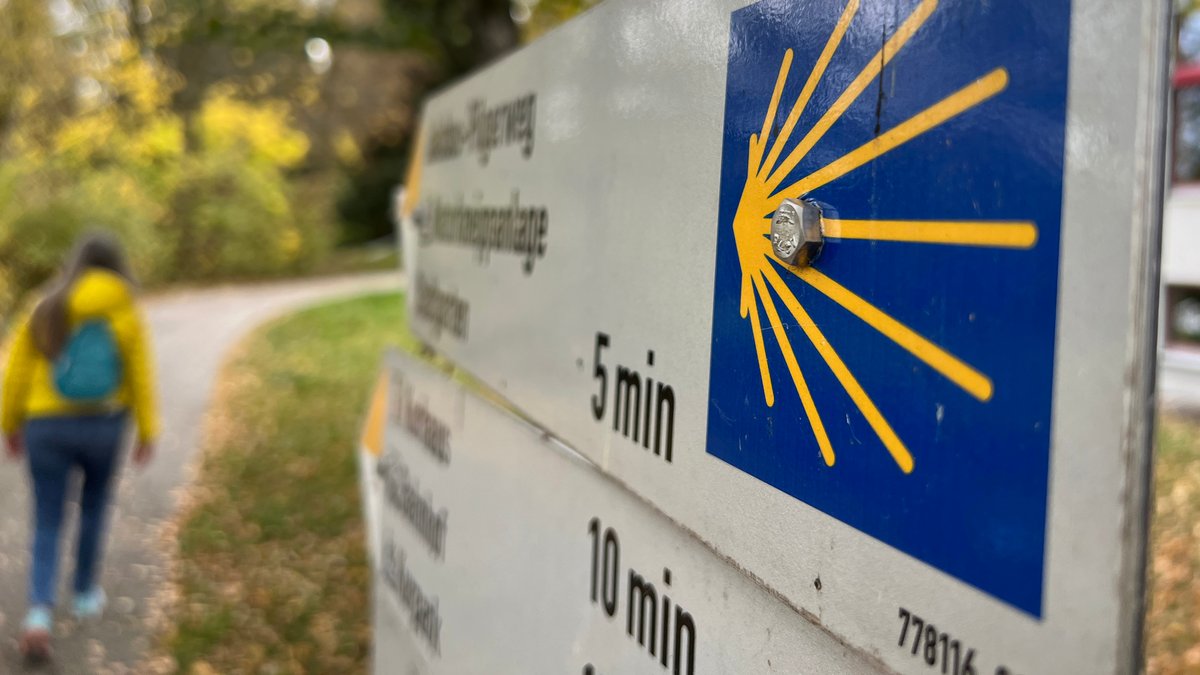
(192,330)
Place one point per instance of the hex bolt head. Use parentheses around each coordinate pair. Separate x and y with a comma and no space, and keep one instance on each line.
(796,236)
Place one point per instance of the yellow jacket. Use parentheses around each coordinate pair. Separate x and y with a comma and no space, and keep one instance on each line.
(29,389)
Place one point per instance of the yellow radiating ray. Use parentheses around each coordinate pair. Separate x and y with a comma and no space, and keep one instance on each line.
(749,304)
(999,234)
(878,422)
(753,157)
(757,143)
(869,72)
(744,305)
(955,104)
(764,369)
(789,356)
(818,71)
(951,367)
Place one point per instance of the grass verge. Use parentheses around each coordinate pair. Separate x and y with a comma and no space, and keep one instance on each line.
(1173,618)
(272,576)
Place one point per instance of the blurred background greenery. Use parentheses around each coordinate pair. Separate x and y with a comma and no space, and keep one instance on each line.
(223,138)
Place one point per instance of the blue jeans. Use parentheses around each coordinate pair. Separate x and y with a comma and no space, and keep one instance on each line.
(55,446)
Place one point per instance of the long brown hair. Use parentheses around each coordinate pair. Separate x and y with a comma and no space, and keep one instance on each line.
(50,321)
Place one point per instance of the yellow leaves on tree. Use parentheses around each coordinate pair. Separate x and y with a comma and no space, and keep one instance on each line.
(261,130)
(126,119)
(90,137)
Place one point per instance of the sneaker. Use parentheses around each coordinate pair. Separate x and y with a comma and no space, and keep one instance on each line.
(35,633)
(90,604)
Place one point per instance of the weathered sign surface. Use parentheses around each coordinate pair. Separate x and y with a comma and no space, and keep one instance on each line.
(501,552)
(940,408)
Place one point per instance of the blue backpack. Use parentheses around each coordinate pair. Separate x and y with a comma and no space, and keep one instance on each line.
(89,368)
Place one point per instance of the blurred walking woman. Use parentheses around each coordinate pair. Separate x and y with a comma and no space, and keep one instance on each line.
(78,369)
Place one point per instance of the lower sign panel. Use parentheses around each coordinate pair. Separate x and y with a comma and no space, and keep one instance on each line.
(500,552)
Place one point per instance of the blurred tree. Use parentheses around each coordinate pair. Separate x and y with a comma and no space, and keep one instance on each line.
(234,211)
(83,135)
(34,75)
(1187,25)
(325,58)
(460,35)
(88,137)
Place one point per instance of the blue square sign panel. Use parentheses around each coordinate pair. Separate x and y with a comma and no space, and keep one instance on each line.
(902,382)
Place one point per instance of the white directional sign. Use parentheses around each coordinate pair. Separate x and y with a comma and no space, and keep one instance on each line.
(501,552)
(852,291)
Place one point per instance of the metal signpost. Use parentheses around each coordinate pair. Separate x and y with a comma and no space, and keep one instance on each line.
(859,294)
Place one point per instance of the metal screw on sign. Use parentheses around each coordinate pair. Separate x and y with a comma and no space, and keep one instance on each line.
(796,236)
